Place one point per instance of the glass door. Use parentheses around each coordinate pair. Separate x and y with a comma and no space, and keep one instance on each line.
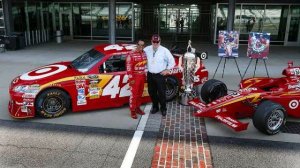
(176,19)
(292,36)
(65,20)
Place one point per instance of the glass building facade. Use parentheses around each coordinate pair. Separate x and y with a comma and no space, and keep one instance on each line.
(76,20)
(2,24)
(281,20)
(175,22)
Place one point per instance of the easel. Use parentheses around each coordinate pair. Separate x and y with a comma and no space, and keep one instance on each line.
(259,54)
(256,66)
(225,65)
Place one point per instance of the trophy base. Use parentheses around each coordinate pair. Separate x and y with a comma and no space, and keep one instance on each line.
(185,98)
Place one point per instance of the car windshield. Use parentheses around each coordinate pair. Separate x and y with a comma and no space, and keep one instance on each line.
(87,60)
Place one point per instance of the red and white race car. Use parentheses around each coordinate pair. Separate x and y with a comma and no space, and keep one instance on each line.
(97,79)
(266,100)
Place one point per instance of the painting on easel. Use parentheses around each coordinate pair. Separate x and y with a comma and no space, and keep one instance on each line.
(228,44)
(258,45)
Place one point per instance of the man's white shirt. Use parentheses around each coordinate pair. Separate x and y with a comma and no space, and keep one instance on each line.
(159,60)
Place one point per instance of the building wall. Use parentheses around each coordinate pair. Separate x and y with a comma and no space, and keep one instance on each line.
(202,19)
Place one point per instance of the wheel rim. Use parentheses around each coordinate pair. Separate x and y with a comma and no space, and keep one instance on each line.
(53,104)
(275,120)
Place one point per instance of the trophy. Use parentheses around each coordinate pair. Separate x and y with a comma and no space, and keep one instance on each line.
(189,64)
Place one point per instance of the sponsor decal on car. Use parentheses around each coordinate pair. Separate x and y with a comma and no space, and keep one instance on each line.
(295,71)
(227,120)
(43,72)
(294,104)
(297,86)
(29,95)
(94,92)
(175,70)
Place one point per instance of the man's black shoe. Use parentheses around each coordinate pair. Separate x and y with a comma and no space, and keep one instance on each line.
(153,110)
(164,112)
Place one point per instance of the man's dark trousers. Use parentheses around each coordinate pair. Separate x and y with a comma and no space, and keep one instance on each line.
(157,90)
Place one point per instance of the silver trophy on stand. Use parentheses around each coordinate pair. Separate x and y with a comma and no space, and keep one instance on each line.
(189,64)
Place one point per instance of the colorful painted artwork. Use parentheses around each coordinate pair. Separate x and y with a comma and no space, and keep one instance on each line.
(258,45)
(228,43)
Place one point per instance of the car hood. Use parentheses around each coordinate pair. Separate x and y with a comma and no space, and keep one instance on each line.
(46,74)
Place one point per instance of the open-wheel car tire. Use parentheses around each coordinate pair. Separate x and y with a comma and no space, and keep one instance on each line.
(172,88)
(212,90)
(52,103)
(269,117)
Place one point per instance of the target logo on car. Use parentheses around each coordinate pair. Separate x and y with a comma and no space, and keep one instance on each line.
(294,104)
(43,72)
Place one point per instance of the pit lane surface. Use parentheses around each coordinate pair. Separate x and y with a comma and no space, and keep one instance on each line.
(101,138)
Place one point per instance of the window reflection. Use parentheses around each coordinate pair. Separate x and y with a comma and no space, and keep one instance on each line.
(82,19)
(255,18)
(178,18)
(222,18)
(124,20)
(99,15)
(18,14)
(294,24)
(1,23)
(272,19)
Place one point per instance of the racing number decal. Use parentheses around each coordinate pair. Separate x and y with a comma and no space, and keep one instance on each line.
(113,47)
(125,90)
(112,88)
(118,47)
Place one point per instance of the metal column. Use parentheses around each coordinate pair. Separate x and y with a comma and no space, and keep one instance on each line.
(230,18)
(112,21)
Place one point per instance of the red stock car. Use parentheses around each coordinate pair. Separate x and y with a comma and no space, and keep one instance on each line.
(267,101)
(97,79)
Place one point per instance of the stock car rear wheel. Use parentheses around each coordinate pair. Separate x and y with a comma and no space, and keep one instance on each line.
(172,88)
(52,103)
(212,90)
(269,117)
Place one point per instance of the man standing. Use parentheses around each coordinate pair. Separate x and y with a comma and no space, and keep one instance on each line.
(136,65)
(181,24)
(159,62)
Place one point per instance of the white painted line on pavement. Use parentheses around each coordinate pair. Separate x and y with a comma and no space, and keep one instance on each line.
(135,142)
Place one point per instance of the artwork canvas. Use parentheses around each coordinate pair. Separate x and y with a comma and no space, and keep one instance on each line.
(258,45)
(228,43)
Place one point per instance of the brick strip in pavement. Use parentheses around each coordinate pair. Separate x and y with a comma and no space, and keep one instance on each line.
(182,140)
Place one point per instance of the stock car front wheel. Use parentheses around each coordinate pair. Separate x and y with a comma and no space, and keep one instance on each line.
(52,103)
(172,88)
(212,90)
(269,117)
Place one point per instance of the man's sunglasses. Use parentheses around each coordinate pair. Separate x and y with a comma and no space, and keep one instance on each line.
(155,41)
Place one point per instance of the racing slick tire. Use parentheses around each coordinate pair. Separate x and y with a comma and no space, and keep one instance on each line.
(172,88)
(269,117)
(52,103)
(212,90)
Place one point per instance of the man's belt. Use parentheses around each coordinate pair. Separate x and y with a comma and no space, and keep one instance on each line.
(154,73)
